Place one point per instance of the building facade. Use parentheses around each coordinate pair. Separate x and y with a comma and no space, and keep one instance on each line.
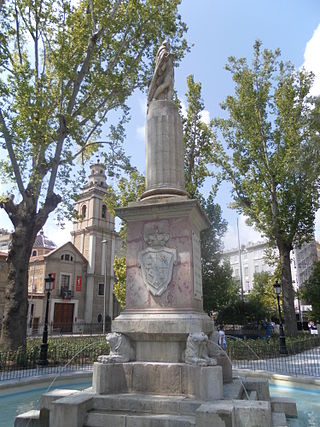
(251,259)
(82,269)
(247,261)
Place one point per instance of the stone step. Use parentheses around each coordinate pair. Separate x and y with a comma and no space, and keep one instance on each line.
(279,419)
(146,403)
(233,390)
(99,418)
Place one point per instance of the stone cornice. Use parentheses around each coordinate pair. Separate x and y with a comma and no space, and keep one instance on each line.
(164,208)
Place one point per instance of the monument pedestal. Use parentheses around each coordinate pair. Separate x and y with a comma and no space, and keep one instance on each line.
(164,283)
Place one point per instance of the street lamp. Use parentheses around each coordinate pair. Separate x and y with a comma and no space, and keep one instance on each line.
(283,348)
(48,281)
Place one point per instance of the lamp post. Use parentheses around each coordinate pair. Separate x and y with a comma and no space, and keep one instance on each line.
(283,348)
(43,361)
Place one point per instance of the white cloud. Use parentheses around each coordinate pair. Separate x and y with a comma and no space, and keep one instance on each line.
(143,105)
(58,235)
(141,132)
(205,116)
(312,61)
(183,109)
(247,234)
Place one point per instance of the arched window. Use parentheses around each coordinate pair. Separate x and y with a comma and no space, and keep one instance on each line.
(84,211)
(66,257)
(99,318)
(104,211)
(34,252)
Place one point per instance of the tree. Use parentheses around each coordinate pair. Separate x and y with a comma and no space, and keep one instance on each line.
(263,294)
(219,288)
(129,189)
(311,291)
(272,155)
(64,66)
(198,138)
(120,271)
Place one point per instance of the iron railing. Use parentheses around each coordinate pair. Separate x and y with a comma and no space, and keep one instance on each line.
(75,355)
(303,356)
(79,353)
(76,328)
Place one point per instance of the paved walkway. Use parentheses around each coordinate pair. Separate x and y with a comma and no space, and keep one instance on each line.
(306,363)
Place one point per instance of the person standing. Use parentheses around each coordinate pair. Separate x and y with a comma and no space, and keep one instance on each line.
(222,338)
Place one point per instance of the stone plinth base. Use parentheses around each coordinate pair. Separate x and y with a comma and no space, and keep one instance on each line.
(203,383)
(161,337)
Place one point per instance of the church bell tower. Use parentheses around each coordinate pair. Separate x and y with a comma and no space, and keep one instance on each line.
(94,236)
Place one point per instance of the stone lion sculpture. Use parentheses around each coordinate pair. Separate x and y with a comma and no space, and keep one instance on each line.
(120,349)
(196,352)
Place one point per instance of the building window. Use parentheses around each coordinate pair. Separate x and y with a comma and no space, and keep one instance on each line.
(256,269)
(84,211)
(236,272)
(66,257)
(104,211)
(101,289)
(99,318)
(34,252)
(246,271)
(65,280)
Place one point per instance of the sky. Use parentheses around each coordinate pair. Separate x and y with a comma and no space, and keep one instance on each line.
(219,29)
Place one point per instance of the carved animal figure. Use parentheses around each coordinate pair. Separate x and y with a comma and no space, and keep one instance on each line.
(120,349)
(196,352)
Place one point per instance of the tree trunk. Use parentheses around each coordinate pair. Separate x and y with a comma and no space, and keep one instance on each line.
(290,321)
(27,223)
(14,321)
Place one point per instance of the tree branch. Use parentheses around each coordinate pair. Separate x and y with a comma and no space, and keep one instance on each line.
(9,145)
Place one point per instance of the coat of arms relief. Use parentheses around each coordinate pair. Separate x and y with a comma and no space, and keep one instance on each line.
(156,260)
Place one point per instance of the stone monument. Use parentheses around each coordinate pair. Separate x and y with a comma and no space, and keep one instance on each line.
(163,368)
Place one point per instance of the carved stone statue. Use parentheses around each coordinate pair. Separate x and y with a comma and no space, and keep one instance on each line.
(120,349)
(196,352)
(161,86)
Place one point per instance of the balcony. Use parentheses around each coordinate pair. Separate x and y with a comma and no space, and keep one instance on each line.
(66,293)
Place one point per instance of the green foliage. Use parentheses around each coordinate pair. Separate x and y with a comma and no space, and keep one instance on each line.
(241,312)
(263,294)
(63,68)
(311,292)
(127,190)
(219,288)
(119,288)
(61,351)
(254,349)
(272,153)
(198,138)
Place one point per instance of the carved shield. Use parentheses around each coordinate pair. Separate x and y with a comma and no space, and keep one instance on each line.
(156,266)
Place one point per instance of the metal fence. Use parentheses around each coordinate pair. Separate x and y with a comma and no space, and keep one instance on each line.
(302,358)
(76,328)
(77,355)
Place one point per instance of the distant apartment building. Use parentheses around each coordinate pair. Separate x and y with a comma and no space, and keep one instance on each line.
(248,261)
(252,259)
(5,240)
